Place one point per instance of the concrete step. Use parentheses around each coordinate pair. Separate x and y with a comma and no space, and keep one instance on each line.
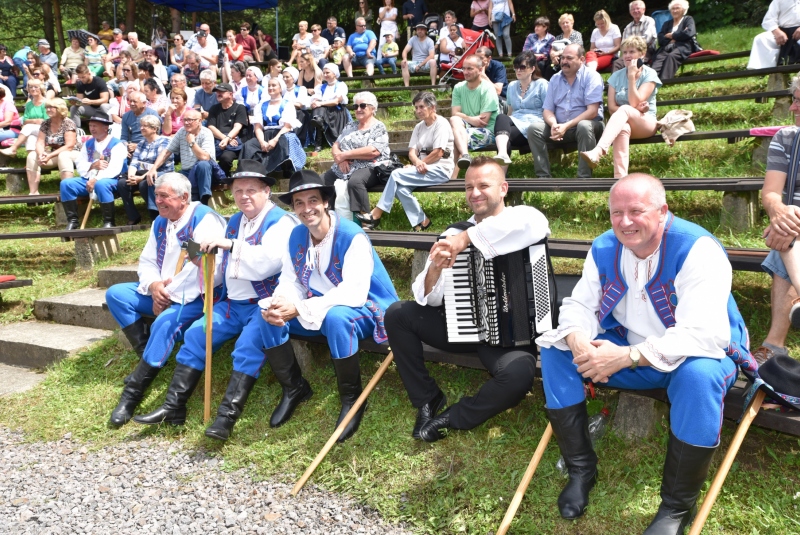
(37,345)
(17,379)
(400,136)
(83,308)
(320,166)
(108,277)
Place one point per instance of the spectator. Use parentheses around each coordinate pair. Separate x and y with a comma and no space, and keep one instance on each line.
(102,159)
(365,12)
(211,40)
(388,55)
(566,22)
(473,114)
(423,56)
(106,34)
(156,98)
(177,55)
(274,71)
(480,10)
(131,135)
(192,69)
(493,71)
(784,227)
(248,43)
(414,12)
(20,59)
(526,97)
(195,144)
(299,97)
(117,111)
(319,47)
(159,70)
(360,49)
(232,53)
(642,26)
(160,45)
(147,71)
(251,93)
(275,143)
(328,104)
(266,46)
(300,41)
(8,74)
(93,55)
(123,30)
(332,31)
(238,69)
(50,79)
(449,20)
(573,111)
(46,56)
(179,82)
(57,145)
(148,149)
(503,14)
(449,45)
(226,120)
(136,47)
(387,19)
(71,58)
(173,119)
(676,41)
(338,50)
(605,39)
(540,41)
(112,59)
(207,53)
(32,119)
(774,46)
(130,76)
(93,94)
(430,152)
(205,97)
(632,104)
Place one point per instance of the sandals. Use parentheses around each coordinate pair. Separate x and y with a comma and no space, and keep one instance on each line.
(368,222)
(421,227)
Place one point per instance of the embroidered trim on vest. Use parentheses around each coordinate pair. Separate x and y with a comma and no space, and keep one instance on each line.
(263,288)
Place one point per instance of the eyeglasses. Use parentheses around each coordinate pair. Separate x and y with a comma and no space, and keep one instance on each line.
(127,70)
(185,120)
(37,74)
(316,30)
(360,25)
(521,67)
(362,106)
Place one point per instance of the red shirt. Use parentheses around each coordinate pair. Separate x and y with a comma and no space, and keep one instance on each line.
(248,44)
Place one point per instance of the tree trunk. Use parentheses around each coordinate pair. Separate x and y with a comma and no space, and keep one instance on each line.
(59,26)
(175,15)
(130,19)
(92,15)
(49,34)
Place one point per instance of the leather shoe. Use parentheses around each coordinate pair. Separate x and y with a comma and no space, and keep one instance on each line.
(368,221)
(432,431)
(428,412)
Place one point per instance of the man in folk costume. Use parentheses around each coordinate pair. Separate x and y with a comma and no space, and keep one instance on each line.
(332,284)
(102,160)
(653,309)
(494,230)
(252,252)
(169,287)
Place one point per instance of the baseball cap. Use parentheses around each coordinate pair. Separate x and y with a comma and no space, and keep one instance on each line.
(223,87)
(43,42)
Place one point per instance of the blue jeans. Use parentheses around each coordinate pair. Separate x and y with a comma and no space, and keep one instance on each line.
(387,61)
(696,389)
(7,133)
(20,63)
(11,84)
(199,176)
(172,69)
(72,188)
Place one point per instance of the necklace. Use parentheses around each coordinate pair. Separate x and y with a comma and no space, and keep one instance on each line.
(524,90)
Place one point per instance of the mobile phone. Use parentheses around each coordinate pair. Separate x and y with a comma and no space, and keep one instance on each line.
(639,63)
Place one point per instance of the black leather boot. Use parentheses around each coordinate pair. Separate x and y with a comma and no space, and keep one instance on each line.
(135,386)
(107,209)
(432,431)
(427,412)
(571,428)
(348,377)
(71,211)
(295,388)
(137,335)
(232,405)
(685,471)
(173,411)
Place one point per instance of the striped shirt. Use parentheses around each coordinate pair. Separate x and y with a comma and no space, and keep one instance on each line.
(780,149)
(146,153)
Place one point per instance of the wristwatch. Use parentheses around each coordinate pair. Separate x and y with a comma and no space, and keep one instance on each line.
(191,144)
(635,355)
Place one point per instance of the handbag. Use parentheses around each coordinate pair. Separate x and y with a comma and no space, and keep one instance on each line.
(384,169)
(674,124)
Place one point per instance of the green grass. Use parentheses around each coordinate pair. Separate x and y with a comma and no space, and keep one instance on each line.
(461,484)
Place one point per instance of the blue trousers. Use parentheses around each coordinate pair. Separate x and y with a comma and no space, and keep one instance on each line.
(20,63)
(342,326)
(127,305)
(231,319)
(72,188)
(696,389)
(199,176)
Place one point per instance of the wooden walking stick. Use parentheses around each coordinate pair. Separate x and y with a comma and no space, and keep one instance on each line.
(208,278)
(88,211)
(526,480)
(340,429)
(727,462)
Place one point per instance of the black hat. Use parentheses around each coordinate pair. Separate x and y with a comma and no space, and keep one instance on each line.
(781,374)
(421,25)
(101,117)
(224,88)
(303,180)
(250,169)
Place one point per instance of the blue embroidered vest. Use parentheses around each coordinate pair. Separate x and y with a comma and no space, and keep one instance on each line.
(244,97)
(274,121)
(326,85)
(381,290)
(678,239)
(160,231)
(263,288)
(106,152)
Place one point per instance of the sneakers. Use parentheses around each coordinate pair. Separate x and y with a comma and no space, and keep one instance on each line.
(502,160)
(592,158)
(794,314)
(464,161)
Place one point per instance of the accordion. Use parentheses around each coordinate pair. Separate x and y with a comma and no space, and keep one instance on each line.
(506,301)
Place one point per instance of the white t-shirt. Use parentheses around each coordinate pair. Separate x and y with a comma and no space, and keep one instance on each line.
(388,26)
(305,42)
(208,50)
(318,49)
(605,42)
(446,42)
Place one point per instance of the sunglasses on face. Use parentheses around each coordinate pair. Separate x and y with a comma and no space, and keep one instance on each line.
(361,106)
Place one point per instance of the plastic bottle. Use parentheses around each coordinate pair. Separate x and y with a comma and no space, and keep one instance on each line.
(598,424)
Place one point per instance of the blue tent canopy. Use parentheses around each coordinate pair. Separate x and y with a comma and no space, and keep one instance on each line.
(191,6)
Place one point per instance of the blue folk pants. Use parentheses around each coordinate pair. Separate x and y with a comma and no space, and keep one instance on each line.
(72,188)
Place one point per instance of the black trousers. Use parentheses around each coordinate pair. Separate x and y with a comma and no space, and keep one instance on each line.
(357,185)
(126,194)
(410,324)
(504,124)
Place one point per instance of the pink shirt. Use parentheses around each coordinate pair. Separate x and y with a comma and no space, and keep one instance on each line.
(177,123)
(7,105)
(481,19)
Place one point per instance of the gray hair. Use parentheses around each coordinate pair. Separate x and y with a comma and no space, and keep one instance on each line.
(207,75)
(427,98)
(658,196)
(151,121)
(635,2)
(138,96)
(178,183)
(795,84)
(133,34)
(362,19)
(683,3)
(366,97)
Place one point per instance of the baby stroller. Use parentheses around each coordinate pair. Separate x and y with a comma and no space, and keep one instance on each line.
(435,23)
(472,41)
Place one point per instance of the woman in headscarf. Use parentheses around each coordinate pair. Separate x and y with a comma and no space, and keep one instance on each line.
(329,113)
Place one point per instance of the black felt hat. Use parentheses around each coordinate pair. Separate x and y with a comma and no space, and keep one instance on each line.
(303,180)
(782,374)
(250,169)
(101,117)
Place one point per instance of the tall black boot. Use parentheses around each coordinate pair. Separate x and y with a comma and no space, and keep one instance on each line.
(173,411)
(571,428)
(232,405)
(137,335)
(685,471)
(295,388)
(107,209)
(135,386)
(348,377)
(71,211)
(316,122)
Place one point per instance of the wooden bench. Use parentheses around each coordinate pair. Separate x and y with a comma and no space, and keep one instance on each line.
(18,283)
(718,57)
(91,245)
(760,97)
(30,199)
(731,75)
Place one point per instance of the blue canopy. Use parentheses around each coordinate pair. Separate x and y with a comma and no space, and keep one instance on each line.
(211,6)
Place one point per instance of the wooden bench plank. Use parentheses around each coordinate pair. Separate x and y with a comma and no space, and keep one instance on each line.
(63,233)
(760,96)
(30,199)
(18,283)
(718,57)
(730,75)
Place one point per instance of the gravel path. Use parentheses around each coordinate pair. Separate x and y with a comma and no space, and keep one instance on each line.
(150,486)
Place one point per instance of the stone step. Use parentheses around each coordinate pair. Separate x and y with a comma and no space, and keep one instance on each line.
(83,308)
(108,277)
(320,166)
(37,345)
(17,379)
(400,136)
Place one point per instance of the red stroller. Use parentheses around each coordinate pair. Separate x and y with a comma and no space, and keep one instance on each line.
(472,41)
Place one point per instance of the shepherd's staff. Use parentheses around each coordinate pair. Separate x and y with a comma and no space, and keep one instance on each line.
(727,462)
(340,429)
(208,279)
(88,211)
(526,480)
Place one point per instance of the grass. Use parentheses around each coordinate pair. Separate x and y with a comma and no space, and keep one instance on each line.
(461,484)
